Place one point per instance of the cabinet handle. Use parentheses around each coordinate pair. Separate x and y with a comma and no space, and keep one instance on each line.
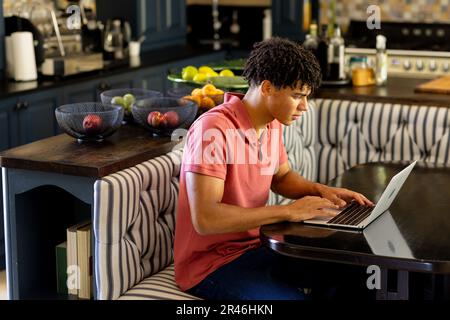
(21,105)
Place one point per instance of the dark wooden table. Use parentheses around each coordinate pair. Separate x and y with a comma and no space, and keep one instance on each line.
(412,236)
(49,186)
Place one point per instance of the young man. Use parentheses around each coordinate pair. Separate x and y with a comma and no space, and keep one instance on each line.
(233,156)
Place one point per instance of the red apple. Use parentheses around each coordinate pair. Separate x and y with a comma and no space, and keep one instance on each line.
(172,119)
(92,124)
(154,118)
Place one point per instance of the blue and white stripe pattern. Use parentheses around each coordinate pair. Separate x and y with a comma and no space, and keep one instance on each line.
(351,133)
(299,139)
(134,223)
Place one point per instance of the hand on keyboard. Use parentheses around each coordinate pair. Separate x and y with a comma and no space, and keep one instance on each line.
(311,207)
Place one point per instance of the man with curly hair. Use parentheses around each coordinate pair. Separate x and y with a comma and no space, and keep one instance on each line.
(233,156)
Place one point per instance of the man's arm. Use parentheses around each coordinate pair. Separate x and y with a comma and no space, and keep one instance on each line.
(210,216)
(290,184)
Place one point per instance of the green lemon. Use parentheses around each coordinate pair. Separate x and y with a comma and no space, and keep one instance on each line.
(118,101)
(200,77)
(226,73)
(189,72)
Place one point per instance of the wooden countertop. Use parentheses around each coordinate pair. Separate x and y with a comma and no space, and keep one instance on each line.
(397,90)
(129,146)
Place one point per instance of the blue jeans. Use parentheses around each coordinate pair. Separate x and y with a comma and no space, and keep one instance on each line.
(260,274)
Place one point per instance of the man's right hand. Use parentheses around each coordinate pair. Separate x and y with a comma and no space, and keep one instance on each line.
(311,207)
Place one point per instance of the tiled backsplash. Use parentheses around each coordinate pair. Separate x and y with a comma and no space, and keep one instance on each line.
(428,11)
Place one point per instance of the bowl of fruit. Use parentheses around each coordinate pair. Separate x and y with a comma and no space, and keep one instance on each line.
(206,97)
(125,98)
(89,121)
(161,116)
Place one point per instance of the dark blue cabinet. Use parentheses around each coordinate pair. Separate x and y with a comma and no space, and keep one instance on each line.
(287,18)
(37,115)
(8,124)
(163,22)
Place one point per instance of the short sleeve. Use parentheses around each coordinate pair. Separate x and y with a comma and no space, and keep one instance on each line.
(205,149)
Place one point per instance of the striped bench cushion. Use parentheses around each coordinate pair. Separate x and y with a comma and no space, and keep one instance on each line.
(352,132)
(134,223)
(156,287)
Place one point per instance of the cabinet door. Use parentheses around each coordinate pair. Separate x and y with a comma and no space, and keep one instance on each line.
(287,19)
(85,92)
(162,21)
(153,79)
(37,116)
(8,124)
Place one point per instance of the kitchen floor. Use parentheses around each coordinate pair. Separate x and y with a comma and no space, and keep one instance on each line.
(3,285)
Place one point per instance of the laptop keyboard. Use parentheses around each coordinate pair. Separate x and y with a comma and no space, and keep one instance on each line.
(352,214)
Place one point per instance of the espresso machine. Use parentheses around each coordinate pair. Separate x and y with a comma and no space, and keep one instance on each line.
(63,49)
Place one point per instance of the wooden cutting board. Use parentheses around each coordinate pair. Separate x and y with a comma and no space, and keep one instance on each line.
(439,85)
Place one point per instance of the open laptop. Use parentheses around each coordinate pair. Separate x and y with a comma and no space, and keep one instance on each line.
(356,216)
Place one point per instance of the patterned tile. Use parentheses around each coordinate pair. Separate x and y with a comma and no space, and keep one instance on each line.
(391,10)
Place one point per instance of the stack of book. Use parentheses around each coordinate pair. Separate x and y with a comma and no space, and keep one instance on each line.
(74,262)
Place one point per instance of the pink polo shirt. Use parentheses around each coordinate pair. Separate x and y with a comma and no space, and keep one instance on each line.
(223,144)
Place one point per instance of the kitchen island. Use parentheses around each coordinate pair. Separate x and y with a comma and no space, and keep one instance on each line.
(49,186)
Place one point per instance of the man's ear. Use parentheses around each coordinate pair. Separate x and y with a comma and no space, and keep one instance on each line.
(267,88)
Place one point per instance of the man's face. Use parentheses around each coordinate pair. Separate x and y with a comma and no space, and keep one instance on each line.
(287,104)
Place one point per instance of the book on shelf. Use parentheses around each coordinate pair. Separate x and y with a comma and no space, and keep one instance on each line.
(61,267)
(73,267)
(84,255)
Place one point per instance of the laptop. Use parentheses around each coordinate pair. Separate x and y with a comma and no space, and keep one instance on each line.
(356,216)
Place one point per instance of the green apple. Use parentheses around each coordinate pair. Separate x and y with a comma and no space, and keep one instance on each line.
(129,99)
(118,101)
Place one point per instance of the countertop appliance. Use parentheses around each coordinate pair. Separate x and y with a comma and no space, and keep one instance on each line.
(419,50)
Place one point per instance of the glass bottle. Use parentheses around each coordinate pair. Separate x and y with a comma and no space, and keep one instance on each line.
(114,40)
(312,40)
(381,61)
(322,52)
(336,56)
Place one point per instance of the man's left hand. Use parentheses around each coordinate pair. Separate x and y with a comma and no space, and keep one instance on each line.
(341,196)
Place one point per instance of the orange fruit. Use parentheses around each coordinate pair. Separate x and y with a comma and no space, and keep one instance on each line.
(196,99)
(197,92)
(208,89)
(207,102)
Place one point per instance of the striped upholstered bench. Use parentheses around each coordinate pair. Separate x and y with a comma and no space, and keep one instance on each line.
(351,133)
(134,223)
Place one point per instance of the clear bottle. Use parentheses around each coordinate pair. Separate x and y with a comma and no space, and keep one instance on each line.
(312,40)
(336,56)
(114,40)
(381,61)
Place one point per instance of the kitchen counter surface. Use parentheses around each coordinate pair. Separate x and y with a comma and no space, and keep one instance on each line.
(9,88)
(129,146)
(397,90)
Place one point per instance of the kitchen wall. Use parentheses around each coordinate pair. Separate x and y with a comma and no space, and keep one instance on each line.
(429,11)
